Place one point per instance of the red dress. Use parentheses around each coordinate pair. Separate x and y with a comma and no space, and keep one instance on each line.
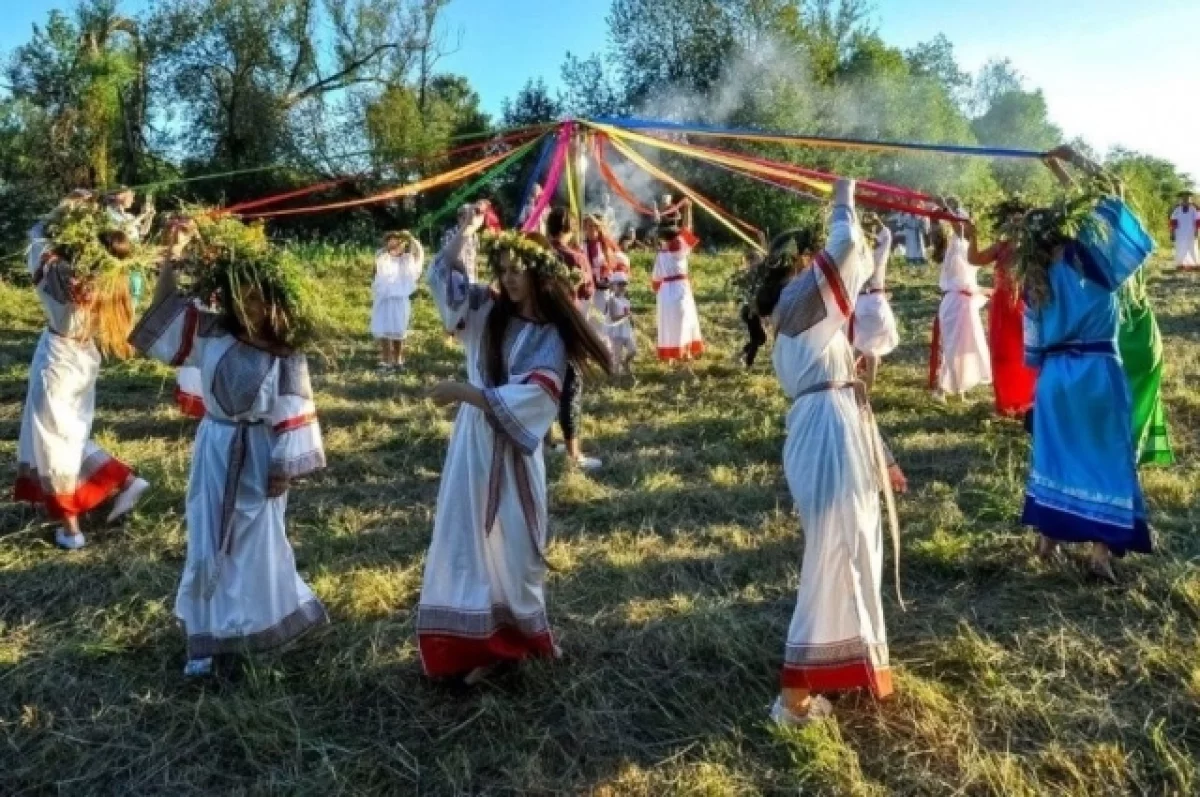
(1013,380)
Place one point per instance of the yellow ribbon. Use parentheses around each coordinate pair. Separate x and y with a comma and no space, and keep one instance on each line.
(658,174)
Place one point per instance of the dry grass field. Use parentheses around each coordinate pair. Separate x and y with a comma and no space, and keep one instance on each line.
(675,573)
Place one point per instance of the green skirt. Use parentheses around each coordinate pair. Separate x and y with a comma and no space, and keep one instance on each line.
(1142,356)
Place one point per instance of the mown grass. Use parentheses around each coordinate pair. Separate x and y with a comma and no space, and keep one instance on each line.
(675,574)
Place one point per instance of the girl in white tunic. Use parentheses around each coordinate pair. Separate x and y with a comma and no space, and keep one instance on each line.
(874,332)
(240,591)
(1185,226)
(959,356)
(836,466)
(679,336)
(397,268)
(483,595)
(619,325)
(59,466)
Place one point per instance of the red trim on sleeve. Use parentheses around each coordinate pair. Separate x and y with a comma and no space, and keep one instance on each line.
(296,422)
(826,264)
(191,320)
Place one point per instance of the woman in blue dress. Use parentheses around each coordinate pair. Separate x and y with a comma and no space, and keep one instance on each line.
(1083,480)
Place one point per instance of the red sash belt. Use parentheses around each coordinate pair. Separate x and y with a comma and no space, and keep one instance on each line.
(676,278)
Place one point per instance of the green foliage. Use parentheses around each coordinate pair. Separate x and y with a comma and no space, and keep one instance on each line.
(533,105)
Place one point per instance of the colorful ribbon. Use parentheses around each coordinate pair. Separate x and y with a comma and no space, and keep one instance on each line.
(459,196)
(552,179)
(816,141)
(731,223)
(452,176)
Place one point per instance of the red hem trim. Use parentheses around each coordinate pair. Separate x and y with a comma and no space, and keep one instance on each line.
(935,353)
(444,655)
(87,496)
(843,677)
(695,349)
(291,424)
(189,404)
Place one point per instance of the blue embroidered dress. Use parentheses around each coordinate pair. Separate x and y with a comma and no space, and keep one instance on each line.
(1083,481)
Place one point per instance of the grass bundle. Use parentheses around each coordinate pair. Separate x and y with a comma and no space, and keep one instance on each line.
(231,264)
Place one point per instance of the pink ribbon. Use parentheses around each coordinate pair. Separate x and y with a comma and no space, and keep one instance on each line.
(556,169)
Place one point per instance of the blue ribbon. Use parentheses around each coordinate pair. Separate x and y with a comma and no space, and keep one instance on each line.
(547,146)
(634,123)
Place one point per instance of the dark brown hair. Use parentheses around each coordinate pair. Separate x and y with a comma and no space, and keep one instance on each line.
(554,303)
(780,265)
(117,243)
(559,222)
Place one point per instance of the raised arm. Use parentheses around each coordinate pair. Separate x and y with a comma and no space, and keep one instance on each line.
(986,257)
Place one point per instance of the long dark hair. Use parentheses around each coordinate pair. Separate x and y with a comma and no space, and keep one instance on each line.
(554,303)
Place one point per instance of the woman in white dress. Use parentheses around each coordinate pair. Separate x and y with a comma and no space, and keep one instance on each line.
(873,330)
(836,466)
(679,336)
(959,356)
(483,595)
(240,591)
(397,268)
(1185,230)
(59,466)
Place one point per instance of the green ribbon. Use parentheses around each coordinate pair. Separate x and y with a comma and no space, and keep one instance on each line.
(488,177)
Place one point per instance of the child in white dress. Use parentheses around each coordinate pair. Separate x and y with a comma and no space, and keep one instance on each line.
(619,315)
(397,269)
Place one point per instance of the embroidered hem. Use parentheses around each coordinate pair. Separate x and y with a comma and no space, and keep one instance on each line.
(306,617)
(1065,526)
(842,676)
(695,349)
(91,492)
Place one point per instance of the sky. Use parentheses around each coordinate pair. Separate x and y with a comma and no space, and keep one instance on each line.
(1114,72)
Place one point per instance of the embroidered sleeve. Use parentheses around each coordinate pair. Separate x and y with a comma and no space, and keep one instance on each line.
(168,330)
(454,295)
(524,411)
(801,306)
(298,448)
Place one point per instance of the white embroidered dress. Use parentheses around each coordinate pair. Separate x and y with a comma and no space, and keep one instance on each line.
(58,464)
(240,590)
(679,333)
(619,327)
(483,595)
(395,283)
(874,325)
(964,361)
(837,639)
(1185,225)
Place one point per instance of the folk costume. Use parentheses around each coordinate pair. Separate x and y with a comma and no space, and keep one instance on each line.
(59,466)
(873,326)
(396,279)
(240,591)
(1083,481)
(483,596)
(959,359)
(679,335)
(836,466)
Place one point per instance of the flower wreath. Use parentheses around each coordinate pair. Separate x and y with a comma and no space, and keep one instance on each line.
(527,254)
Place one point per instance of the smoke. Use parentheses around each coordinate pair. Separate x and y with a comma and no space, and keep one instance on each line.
(769,84)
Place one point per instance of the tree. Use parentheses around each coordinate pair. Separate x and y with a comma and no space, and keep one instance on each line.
(80,88)
(1152,186)
(591,91)
(533,105)
(934,60)
(243,69)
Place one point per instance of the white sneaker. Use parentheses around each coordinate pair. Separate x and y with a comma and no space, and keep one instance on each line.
(818,709)
(588,463)
(128,499)
(198,668)
(560,448)
(69,542)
